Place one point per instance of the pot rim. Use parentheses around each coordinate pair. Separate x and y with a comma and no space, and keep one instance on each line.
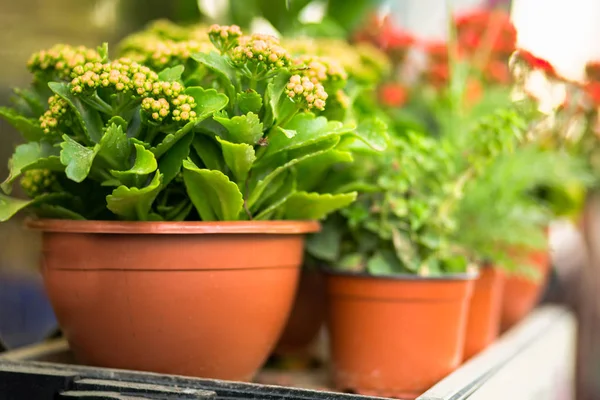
(279,227)
(464,276)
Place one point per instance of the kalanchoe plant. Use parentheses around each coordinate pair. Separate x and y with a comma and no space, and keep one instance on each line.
(115,139)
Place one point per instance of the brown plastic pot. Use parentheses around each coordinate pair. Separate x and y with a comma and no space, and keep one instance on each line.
(206,299)
(521,294)
(307,316)
(396,336)
(483,324)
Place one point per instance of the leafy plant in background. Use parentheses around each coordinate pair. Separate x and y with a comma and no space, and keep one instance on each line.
(121,140)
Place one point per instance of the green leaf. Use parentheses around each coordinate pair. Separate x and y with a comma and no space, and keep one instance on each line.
(9,206)
(249,102)
(103,52)
(29,128)
(312,172)
(171,139)
(76,158)
(405,250)
(374,133)
(325,245)
(171,162)
(384,262)
(57,212)
(215,197)
(280,197)
(114,147)
(309,130)
(88,117)
(303,205)
(263,182)
(243,128)
(171,74)
(226,73)
(276,108)
(144,164)
(209,152)
(239,157)
(134,204)
(32,155)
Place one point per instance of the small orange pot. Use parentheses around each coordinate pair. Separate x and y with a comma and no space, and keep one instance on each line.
(521,294)
(483,324)
(396,336)
(206,299)
(307,316)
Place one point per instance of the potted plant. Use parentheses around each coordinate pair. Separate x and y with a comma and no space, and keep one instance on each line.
(168,199)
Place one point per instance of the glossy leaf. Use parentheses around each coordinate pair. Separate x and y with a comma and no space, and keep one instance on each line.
(312,172)
(262,183)
(215,197)
(303,205)
(144,164)
(242,129)
(239,157)
(32,155)
(171,74)
(274,94)
(29,128)
(9,206)
(209,152)
(309,130)
(88,117)
(249,102)
(76,158)
(276,202)
(134,204)
(171,139)
(114,147)
(171,162)
(216,63)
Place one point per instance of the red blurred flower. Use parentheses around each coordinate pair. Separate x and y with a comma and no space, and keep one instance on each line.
(537,63)
(438,74)
(592,71)
(497,72)
(592,89)
(393,94)
(382,33)
(483,28)
(437,52)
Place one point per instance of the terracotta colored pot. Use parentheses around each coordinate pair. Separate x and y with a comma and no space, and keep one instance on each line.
(522,294)
(396,336)
(206,299)
(307,316)
(483,324)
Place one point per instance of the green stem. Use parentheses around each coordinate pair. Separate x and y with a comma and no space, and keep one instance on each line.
(95,101)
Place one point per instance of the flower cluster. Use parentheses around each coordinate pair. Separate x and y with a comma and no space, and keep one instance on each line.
(326,70)
(123,75)
(167,98)
(62,59)
(37,181)
(224,37)
(57,108)
(309,92)
(361,61)
(160,54)
(260,53)
(535,63)
(179,106)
